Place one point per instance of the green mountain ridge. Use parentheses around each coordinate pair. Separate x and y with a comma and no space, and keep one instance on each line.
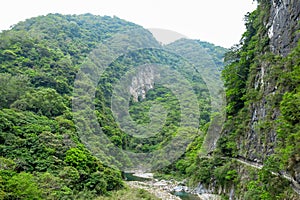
(44,154)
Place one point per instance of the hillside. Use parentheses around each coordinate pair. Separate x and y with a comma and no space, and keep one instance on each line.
(64,131)
(41,153)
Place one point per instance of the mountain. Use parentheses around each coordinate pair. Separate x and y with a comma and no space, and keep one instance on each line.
(84,98)
(42,156)
(65,131)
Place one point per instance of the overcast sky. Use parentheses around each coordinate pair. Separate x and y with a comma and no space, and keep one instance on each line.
(216,21)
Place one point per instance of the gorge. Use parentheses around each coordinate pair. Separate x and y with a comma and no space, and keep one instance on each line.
(85,98)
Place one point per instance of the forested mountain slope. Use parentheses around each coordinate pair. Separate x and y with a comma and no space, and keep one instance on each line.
(44,153)
(41,153)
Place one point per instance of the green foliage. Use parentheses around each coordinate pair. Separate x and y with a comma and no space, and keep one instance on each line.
(7,164)
(256,78)
(289,123)
(227,146)
(11,88)
(45,101)
(38,140)
(290,108)
(23,186)
(240,59)
(51,186)
(226,174)
(140,110)
(267,186)
(41,155)
(190,157)
(76,158)
(33,143)
(129,193)
(206,169)
(70,175)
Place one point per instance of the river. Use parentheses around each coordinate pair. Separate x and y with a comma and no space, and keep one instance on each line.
(161,188)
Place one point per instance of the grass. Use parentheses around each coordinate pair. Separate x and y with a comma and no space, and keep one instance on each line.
(129,193)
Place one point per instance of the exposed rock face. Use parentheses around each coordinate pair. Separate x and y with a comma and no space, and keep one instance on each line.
(283,23)
(260,139)
(142,82)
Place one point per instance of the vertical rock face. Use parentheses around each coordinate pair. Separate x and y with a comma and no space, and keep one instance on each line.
(282,25)
(260,140)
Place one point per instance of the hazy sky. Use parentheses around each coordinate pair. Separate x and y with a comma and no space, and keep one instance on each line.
(217,21)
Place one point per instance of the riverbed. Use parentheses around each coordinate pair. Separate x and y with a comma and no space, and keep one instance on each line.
(164,189)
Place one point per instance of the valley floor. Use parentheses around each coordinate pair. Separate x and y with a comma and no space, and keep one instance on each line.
(159,190)
(129,193)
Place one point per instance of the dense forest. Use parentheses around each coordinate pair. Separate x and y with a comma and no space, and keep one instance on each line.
(42,157)
(85,98)
(45,153)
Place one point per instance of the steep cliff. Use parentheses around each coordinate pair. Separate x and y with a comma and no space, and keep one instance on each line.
(262,92)
(282,25)
(257,80)
(255,93)
(266,78)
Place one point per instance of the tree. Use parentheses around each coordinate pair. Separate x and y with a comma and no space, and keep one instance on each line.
(23,186)
(45,101)
(11,88)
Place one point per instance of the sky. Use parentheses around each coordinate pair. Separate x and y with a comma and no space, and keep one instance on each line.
(217,21)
